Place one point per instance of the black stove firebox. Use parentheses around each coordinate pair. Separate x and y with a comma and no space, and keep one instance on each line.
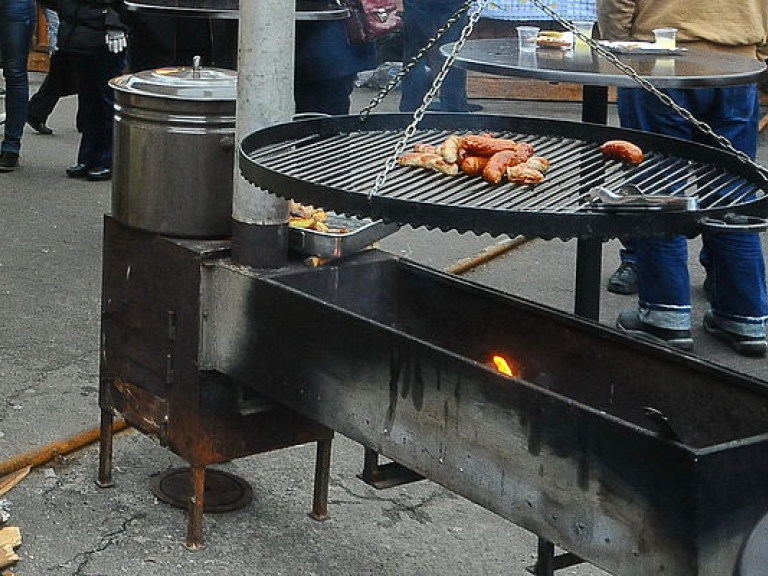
(636,458)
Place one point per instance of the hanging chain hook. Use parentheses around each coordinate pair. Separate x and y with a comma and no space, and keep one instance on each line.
(437,83)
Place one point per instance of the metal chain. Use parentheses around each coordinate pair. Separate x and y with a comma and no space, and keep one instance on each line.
(410,130)
(648,86)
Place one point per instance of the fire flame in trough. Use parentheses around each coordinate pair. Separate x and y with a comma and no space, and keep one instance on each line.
(505,366)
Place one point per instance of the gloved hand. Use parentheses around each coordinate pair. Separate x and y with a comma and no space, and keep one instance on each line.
(116,41)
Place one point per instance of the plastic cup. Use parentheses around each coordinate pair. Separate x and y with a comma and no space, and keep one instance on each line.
(584,27)
(666,38)
(526,38)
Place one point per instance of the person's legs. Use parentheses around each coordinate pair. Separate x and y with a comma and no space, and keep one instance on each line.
(453,93)
(417,19)
(42,103)
(325,97)
(735,261)
(96,108)
(15,37)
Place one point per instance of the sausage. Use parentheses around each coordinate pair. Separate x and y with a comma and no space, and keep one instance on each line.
(450,149)
(497,165)
(622,150)
(473,165)
(486,146)
(425,148)
(524,174)
(431,161)
(524,151)
(539,163)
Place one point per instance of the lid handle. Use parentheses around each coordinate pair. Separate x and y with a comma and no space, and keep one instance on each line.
(196,67)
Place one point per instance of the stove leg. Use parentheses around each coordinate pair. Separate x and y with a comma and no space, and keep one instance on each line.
(322,478)
(105,450)
(195,510)
(546,561)
(386,475)
(545,558)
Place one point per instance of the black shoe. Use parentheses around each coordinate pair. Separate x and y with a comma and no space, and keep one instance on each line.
(9,161)
(629,322)
(624,280)
(77,171)
(39,127)
(100,174)
(745,345)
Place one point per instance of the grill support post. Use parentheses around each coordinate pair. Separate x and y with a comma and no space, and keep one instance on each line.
(264,98)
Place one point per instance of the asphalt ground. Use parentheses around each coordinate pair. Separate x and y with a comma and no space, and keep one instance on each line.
(50,262)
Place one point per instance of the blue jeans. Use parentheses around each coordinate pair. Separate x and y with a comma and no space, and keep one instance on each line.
(422,18)
(96,103)
(734,261)
(17,22)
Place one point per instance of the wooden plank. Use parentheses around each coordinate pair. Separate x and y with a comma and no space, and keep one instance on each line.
(9,481)
(10,537)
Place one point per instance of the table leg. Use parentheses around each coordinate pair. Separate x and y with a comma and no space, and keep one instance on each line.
(589,264)
(589,252)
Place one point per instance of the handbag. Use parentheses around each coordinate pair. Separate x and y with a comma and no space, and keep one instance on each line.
(371,20)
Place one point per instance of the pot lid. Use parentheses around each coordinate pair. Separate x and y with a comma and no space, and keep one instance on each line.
(181,83)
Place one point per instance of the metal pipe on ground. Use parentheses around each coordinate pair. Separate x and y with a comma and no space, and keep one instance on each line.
(44,454)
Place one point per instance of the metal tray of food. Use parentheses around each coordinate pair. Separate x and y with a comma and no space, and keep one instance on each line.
(361,232)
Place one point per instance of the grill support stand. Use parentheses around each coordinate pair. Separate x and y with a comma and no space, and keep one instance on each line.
(260,220)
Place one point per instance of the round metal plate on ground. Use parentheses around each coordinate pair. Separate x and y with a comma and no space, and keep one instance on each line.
(224,492)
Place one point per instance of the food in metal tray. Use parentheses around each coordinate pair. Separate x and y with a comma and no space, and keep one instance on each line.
(623,150)
(480,155)
(311,218)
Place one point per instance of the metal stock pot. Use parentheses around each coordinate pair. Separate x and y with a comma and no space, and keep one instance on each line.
(174,150)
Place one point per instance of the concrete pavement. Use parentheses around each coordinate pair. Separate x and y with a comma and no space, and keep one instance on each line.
(50,240)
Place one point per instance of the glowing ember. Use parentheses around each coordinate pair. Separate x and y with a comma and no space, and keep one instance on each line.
(502,365)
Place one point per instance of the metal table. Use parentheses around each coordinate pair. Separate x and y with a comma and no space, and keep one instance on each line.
(581,65)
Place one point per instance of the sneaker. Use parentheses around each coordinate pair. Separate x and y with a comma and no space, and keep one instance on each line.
(745,345)
(9,161)
(629,322)
(624,280)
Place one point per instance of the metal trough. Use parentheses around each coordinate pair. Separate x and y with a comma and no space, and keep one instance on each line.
(636,458)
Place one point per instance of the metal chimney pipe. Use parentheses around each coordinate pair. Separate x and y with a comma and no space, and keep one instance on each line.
(264,98)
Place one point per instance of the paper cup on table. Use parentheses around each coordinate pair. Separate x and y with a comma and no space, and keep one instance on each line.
(526,38)
(666,38)
(583,27)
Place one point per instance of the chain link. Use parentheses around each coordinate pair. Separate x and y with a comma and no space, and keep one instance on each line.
(649,87)
(410,130)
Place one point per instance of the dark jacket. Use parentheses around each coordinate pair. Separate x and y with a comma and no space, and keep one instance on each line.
(84,24)
(323,52)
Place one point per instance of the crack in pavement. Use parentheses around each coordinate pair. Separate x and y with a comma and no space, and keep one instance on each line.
(107,540)
(41,375)
(399,507)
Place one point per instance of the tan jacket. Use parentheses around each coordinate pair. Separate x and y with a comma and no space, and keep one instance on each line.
(737,26)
